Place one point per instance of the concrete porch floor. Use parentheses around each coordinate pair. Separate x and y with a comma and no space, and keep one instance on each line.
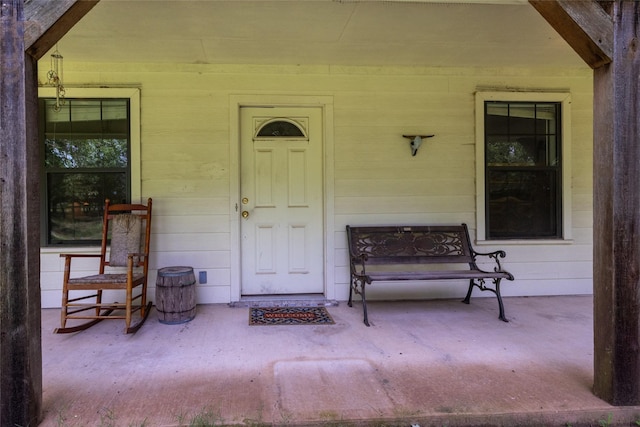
(426,363)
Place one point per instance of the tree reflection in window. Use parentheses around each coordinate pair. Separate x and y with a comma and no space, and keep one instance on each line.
(280,128)
(523,170)
(86,160)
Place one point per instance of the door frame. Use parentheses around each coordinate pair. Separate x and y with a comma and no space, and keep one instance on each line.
(325,103)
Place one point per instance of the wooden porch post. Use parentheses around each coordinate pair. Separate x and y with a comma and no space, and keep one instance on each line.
(606,35)
(27,32)
(20,346)
(616,173)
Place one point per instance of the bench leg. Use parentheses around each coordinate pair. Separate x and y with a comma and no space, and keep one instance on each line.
(355,282)
(351,285)
(467,299)
(496,291)
(500,305)
(364,306)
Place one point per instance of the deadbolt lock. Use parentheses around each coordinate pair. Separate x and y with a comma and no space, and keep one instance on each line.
(245,200)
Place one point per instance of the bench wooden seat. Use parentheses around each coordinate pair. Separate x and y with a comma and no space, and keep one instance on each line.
(421,253)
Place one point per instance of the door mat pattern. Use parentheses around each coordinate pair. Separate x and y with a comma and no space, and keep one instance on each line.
(289,316)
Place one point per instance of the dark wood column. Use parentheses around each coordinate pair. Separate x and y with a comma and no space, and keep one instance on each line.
(27,31)
(605,34)
(20,347)
(616,177)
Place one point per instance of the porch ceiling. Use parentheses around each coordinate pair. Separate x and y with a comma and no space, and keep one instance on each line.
(375,33)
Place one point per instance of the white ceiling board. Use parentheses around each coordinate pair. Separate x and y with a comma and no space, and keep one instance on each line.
(473,33)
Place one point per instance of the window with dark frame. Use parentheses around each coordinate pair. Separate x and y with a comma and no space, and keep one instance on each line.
(86,148)
(523,170)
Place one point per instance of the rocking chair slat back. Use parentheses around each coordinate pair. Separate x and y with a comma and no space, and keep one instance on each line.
(124,264)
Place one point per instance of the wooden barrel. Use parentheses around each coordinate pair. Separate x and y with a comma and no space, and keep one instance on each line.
(176,295)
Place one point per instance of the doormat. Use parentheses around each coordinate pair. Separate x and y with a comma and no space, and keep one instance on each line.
(289,316)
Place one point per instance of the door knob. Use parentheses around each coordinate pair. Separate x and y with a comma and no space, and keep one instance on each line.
(245,214)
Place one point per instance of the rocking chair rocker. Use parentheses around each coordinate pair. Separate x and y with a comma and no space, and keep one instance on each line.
(128,227)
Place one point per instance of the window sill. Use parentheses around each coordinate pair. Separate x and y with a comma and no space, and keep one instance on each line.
(523,242)
(70,249)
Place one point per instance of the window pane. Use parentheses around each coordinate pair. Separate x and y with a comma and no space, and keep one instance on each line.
(87,134)
(546,118)
(76,200)
(523,170)
(522,118)
(115,110)
(60,120)
(497,118)
(85,111)
(86,160)
(504,151)
(522,204)
(280,128)
(552,151)
(84,152)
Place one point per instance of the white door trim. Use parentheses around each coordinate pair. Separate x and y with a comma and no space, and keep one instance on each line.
(326,104)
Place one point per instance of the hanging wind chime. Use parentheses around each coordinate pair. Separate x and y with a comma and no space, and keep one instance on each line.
(55,78)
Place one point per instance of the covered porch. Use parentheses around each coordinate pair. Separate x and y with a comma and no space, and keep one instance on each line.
(427,363)
(472,380)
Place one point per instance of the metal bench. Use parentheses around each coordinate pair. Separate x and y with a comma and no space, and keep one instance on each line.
(392,253)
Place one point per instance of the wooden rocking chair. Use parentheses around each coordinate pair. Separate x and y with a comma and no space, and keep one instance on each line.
(128,228)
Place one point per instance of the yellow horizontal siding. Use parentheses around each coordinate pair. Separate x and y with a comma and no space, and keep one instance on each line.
(186,162)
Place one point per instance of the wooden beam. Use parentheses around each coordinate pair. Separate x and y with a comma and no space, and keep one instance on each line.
(28,29)
(616,248)
(47,21)
(584,25)
(20,308)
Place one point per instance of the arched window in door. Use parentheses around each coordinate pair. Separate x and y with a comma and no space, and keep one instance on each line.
(281,128)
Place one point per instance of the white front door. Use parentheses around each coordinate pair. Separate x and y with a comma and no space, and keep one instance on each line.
(281,206)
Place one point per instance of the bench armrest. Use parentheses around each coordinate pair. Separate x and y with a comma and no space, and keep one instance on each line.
(495,255)
(358,263)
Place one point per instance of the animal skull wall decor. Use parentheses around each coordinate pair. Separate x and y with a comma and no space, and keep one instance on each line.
(415,141)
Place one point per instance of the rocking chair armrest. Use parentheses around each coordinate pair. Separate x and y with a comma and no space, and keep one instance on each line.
(69,257)
(138,255)
(136,259)
(134,254)
(79,255)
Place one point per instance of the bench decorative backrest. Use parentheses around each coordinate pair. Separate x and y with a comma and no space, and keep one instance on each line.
(439,244)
